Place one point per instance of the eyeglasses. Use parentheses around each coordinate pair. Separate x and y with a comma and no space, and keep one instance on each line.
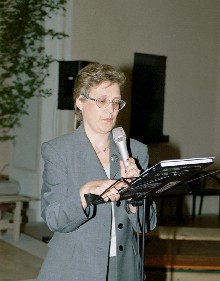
(104,102)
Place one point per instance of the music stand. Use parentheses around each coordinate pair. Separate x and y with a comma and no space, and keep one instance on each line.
(164,176)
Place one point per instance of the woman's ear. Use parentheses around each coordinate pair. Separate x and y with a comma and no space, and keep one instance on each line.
(79,102)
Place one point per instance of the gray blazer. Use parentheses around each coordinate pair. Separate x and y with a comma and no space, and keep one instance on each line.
(79,248)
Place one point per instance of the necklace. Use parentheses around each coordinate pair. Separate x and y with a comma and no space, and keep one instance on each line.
(103,150)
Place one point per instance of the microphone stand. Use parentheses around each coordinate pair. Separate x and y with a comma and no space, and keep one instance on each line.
(145,221)
(143,239)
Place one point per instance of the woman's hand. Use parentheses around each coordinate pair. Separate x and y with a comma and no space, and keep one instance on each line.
(98,188)
(131,171)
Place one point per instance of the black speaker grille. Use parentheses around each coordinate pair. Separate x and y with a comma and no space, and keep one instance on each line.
(147,104)
(68,71)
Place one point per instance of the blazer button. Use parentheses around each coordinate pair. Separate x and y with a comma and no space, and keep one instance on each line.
(120,248)
(118,203)
(120,226)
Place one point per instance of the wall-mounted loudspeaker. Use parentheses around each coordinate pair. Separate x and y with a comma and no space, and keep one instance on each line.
(147,105)
(68,71)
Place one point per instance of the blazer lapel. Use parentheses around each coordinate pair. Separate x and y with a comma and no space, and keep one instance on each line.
(88,160)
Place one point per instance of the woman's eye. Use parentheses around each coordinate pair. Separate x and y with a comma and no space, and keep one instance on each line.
(102,101)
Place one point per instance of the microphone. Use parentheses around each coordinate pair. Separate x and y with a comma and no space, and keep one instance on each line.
(119,138)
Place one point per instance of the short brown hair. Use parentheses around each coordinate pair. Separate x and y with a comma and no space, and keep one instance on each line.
(93,75)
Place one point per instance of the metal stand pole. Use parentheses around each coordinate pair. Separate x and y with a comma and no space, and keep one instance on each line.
(143,241)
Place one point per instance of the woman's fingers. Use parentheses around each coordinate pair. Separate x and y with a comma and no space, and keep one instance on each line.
(132,169)
(111,195)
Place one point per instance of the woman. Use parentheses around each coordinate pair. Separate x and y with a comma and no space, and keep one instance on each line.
(91,242)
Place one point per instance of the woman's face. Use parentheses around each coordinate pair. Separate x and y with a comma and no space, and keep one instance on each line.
(95,119)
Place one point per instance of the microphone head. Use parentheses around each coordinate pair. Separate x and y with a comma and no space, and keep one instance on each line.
(118,134)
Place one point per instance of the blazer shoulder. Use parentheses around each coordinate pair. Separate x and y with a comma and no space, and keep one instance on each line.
(59,143)
(139,151)
(61,139)
(136,145)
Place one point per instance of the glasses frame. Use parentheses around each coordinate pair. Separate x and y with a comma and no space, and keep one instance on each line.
(112,102)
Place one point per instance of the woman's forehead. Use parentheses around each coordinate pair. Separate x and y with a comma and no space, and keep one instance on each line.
(106,88)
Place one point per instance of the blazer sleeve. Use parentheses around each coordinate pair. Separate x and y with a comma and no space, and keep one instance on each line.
(61,210)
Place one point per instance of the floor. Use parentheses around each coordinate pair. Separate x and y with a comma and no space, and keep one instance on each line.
(209,221)
(189,252)
(26,243)
(35,236)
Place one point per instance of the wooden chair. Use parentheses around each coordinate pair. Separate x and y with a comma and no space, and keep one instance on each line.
(207,185)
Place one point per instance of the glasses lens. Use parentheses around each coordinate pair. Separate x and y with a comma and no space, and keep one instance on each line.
(118,104)
(121,104)
(104,102)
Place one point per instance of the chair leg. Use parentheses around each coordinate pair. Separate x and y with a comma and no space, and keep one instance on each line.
(219,209)
(179,208)
(200,206)
(193,207)
(161,207)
